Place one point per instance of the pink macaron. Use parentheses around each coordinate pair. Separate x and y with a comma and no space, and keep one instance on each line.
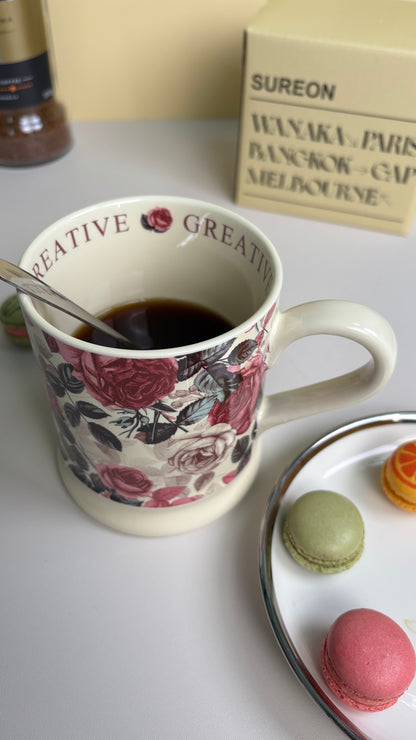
(367,660)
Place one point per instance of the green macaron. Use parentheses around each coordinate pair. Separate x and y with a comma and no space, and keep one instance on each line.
(324,532)
(13,322)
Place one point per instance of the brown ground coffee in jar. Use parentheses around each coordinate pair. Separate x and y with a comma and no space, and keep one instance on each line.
(33,124)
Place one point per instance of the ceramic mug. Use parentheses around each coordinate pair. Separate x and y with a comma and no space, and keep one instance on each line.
(161,442)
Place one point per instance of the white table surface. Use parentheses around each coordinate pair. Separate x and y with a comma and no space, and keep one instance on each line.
(106,636)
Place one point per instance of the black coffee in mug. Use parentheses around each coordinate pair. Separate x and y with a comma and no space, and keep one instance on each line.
(158,323)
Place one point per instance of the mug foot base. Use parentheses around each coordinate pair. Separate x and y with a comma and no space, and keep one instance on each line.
(159,522)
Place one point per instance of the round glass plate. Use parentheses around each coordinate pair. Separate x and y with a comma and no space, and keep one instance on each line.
(302,605)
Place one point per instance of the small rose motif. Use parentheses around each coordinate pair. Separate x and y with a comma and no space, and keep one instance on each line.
(130,483)
(157,219)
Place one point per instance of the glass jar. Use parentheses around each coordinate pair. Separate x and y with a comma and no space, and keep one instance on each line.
(33,124)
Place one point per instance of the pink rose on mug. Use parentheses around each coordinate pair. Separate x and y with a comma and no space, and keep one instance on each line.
(157,219)
(238,409)
(127,482)
(123,382)
(198,451)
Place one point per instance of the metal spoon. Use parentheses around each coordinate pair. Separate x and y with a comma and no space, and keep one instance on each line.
(36,288)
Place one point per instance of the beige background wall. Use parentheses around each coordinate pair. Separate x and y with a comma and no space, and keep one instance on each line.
(127,59)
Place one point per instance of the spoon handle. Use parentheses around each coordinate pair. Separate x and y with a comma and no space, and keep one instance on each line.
(36,288)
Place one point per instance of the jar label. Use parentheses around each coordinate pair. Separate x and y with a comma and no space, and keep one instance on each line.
(22,30)
(25,83)
(25,75)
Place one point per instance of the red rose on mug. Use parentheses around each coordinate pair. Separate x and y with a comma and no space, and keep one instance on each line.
(238,409)
(128,482)
(159,219)
(122,382)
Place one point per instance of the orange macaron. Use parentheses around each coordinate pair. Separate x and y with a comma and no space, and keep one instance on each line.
(399,476)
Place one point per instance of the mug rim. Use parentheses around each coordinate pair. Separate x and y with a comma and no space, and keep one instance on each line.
(37,319)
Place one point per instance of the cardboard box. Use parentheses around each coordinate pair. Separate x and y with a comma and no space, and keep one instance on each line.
(328,112)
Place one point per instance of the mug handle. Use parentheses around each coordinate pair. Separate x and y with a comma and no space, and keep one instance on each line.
(340,318)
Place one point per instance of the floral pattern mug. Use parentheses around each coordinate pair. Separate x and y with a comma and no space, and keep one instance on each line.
(159,442)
